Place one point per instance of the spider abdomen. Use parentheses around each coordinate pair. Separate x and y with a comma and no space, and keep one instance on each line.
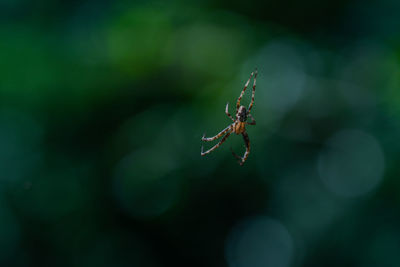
(239,127)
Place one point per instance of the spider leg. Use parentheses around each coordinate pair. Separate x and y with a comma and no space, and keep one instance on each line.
(253,92)
(209,139)
(246,154)
(236,156)
(253,121)
(242,93)
(216,146)
(227,111)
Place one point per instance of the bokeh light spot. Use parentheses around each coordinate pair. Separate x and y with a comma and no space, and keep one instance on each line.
(259,242)
(352,163)
(283,76)
(207,49)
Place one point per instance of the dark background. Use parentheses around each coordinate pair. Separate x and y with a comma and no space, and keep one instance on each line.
(103,104)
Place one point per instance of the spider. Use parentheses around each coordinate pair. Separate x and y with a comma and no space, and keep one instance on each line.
(238,126)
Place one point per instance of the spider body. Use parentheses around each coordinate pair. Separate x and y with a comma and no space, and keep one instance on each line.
(239,124)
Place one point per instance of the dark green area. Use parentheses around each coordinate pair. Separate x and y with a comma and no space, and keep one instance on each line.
(103,105)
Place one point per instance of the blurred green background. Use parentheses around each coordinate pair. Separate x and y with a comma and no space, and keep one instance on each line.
(103,104)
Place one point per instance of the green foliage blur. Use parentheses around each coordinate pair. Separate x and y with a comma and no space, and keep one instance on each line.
(103,105)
